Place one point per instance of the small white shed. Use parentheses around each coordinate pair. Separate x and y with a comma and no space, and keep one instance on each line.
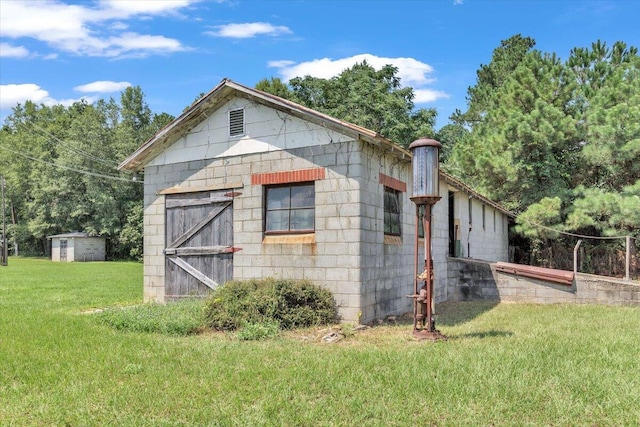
(77,246)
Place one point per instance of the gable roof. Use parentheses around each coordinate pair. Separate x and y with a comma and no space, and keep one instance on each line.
(228,89)
(224,91)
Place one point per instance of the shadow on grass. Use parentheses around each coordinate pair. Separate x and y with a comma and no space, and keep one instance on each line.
(453,313)
(484,334)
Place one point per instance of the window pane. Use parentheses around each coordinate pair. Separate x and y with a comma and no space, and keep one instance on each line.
(302,219)
(290,208)
(278,198)
(387,201)
(303,196)
(394,206)
(391,202)
(277,221)
(391,211)
(394,223)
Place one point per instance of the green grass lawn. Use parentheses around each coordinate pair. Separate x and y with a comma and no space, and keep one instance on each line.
(505,364)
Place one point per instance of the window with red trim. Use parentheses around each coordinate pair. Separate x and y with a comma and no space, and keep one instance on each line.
(290,208)
(392,212)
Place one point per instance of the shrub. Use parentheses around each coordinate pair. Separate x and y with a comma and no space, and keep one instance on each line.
(184,317)
(291,303)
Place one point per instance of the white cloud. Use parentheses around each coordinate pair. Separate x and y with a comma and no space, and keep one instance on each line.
(119,26)
(102,86)
(12,94)
(132,42)
(7,50)
(154,7)
(43,20)
(88,30)
(423,96)
(248,30)
(411,72)
(280,64)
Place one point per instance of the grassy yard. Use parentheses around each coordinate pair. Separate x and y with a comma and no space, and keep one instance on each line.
(505,364)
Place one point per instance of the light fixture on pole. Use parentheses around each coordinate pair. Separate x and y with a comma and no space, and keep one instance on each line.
(425,194)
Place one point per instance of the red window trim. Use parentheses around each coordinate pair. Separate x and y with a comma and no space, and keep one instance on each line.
(287,177)
(391,182)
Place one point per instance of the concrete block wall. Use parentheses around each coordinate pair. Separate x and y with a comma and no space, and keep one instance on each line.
(440,244)
(481,239)
(89,249)
(470,280)
(331,255)
(388,263)
(348,253)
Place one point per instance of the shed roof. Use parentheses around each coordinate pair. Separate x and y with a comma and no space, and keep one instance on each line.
(227,89)
(224,91)
(73,234)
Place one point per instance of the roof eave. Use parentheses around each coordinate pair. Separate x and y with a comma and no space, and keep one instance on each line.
(180,126)
(454,182)
(137,160)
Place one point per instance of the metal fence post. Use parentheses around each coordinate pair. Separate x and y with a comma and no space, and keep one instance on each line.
(575,257)
(627,264)
(4,257)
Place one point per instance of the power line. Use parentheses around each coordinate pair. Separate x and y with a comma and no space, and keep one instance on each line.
(580,236)
(86,172)
(67,145)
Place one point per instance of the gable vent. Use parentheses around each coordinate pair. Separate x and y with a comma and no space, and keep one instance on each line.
(236,122)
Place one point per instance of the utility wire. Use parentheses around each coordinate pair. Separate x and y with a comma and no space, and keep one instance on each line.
(581,236)
(68,146)
(86,172)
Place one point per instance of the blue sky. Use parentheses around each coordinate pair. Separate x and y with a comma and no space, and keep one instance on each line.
(61,51)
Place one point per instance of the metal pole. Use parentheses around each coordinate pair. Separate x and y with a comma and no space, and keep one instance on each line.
(5,252)
(427,265)
(415,271)
(575,257)
(627,275)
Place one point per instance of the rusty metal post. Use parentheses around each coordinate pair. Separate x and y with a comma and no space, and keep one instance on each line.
(425,192)
(415,271)
(428,266)
(429,332)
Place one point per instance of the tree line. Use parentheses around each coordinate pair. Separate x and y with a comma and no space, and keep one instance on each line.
(60,165)
(556,142)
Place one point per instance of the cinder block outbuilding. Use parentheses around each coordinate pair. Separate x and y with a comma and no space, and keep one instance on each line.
(245,184)
(78,247)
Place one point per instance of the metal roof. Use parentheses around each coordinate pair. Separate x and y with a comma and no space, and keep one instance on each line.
(73,234)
